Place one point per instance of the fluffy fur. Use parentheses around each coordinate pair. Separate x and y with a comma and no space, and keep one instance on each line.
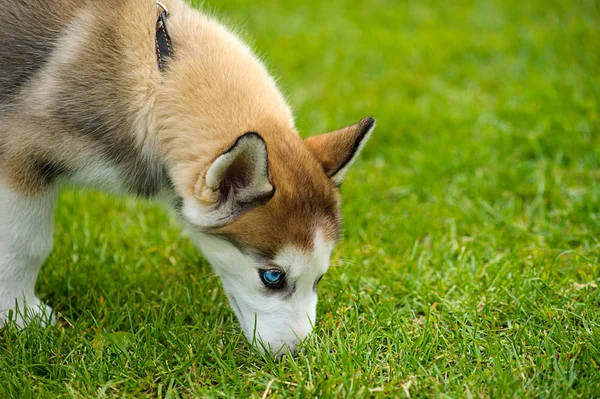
(83,102)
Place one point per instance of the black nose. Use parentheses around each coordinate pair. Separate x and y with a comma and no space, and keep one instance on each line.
(289,349)
(288,352)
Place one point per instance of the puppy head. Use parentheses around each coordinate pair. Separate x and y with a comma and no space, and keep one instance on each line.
(266,215)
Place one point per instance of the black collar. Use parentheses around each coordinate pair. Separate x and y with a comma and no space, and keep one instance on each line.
(162,42)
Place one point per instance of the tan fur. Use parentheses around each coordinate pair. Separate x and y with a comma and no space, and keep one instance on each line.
(334,150)
(99,98)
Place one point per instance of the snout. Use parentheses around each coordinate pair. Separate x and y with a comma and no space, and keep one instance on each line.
(280,348)
(277,340)
(277,330)
(290,344)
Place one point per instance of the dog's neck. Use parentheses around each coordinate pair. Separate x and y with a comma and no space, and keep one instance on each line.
(212,91)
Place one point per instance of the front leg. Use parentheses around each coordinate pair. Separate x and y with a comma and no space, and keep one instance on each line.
(26,227)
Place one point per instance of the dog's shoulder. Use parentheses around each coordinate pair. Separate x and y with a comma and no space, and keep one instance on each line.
(76,97)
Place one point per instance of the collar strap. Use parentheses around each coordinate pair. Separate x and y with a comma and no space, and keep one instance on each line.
(162,41)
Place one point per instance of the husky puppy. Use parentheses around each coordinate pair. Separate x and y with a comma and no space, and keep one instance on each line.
(160,100)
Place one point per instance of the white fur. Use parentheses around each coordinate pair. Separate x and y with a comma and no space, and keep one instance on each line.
(339,176)
(26,227)
(277,320)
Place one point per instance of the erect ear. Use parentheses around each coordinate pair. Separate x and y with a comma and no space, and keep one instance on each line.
(237,181)
(337,150)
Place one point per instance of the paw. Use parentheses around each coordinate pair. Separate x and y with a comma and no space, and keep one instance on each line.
(38,313)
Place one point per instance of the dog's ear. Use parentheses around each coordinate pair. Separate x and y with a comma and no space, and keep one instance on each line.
(337,150)
(237,181)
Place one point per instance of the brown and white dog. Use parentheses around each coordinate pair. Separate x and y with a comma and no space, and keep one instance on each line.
(123,96)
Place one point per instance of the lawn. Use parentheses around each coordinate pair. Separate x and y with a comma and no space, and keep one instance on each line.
(470,261)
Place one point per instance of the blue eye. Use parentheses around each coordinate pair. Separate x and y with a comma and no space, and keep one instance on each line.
(272,278)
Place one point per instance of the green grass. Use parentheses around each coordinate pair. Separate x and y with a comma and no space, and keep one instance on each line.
(471,258)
